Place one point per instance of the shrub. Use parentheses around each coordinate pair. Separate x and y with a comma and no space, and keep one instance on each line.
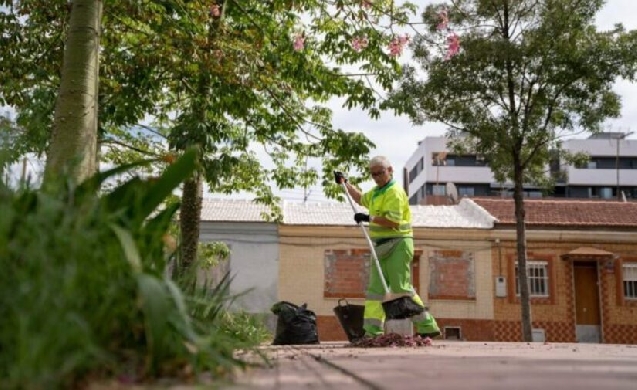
(83,290)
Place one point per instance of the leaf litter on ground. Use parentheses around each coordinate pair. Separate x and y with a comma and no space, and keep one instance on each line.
(392,340)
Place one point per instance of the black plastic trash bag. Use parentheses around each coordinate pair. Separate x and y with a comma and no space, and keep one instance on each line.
(401,308)
(295,324)
(351,319)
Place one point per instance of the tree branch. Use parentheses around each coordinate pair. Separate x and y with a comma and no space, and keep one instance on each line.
(113,141)
(152,130)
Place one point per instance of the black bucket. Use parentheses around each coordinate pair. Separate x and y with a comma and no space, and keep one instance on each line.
(351,319)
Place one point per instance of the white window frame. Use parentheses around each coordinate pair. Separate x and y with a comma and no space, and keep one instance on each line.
(629,280)
(538,276)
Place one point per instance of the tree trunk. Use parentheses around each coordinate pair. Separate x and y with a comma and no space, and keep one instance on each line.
(192,195)
(520,229)
(190,214)
(73,144)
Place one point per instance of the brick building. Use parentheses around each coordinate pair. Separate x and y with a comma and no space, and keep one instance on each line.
(580,253)
(582,262)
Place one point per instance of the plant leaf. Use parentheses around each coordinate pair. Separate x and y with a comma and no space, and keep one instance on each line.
(172,177)
(155,305)
(129,247)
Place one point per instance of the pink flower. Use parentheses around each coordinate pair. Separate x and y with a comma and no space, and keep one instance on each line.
(359,43)
(215,10)
(299,42)
(453,45)
(444,20)
(397,45)
(367,4)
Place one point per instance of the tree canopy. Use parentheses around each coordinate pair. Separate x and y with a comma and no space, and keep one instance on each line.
(271,68)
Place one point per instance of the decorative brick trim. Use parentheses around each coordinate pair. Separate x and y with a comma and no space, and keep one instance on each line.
(605,297)
(569,275)
(619,285)
(555,332)
(620,334)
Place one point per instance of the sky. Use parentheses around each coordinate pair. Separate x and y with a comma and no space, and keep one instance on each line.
(397,139)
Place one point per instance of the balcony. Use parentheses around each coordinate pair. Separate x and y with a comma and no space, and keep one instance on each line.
(602,177)
(459,174)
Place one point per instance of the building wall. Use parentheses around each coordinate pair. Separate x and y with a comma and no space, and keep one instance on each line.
(459,292)
(462,297)
(421,152)
(441,174)
(455,275)
(253,261)
(319,265)
(556,314)
(621,326)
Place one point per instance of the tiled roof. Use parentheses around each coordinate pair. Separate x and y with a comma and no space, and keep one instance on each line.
(227,210)
(564,212)
(464,215)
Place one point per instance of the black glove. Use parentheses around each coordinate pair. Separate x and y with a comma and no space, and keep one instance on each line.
(338,176)
(361,217)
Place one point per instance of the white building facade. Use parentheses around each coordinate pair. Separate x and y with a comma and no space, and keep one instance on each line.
(612,166)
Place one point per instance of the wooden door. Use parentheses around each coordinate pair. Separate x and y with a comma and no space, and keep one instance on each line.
(586,294)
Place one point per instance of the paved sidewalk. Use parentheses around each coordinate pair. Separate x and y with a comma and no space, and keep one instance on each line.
(448,365)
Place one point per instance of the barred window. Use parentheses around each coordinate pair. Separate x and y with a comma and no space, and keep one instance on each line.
(630,280)
(538,276)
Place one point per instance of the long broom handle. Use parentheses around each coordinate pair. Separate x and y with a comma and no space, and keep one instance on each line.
(369,241)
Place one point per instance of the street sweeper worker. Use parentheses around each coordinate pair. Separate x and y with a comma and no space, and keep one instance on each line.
(390,229)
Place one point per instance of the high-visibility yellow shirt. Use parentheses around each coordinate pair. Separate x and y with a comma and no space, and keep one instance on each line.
(391,202)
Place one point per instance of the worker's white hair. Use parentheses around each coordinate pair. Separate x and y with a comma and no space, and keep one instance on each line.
(379,161)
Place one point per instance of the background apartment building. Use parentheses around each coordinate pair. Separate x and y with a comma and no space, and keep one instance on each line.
(612,166)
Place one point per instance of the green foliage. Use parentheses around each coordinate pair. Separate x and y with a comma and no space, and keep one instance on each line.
(211,253)
(9,141)
(529,73)
(249,328)
(84,292)
(235,81)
